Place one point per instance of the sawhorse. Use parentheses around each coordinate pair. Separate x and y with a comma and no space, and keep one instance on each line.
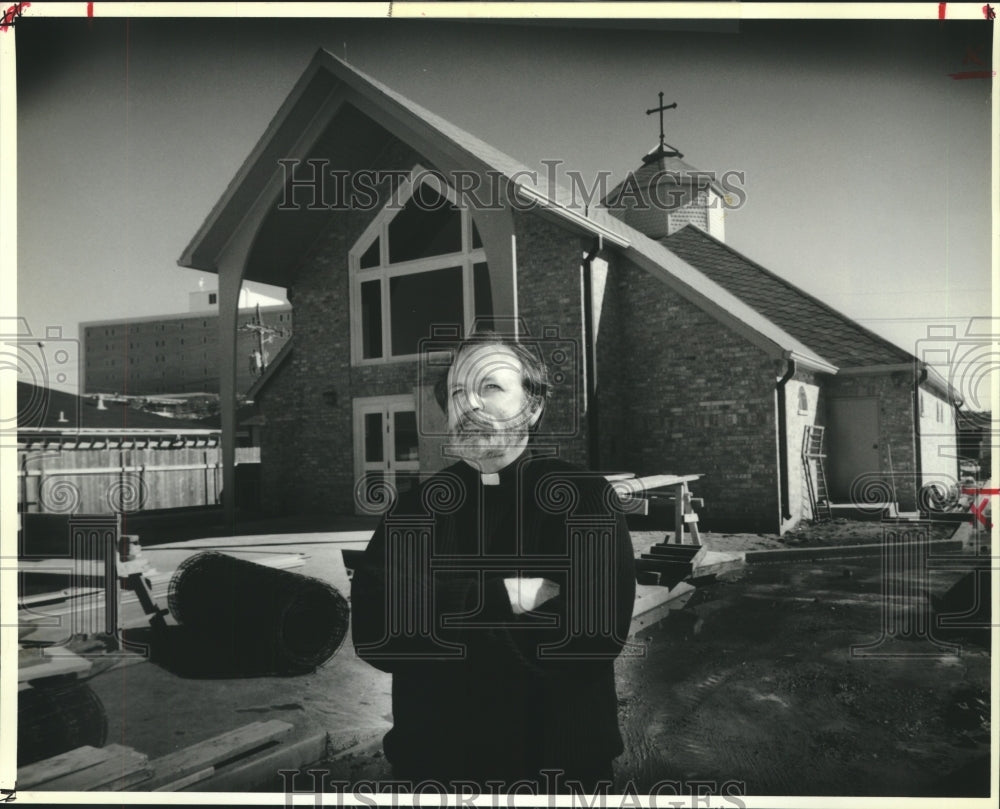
(685,517)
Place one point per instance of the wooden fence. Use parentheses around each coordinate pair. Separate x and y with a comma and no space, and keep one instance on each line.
(119,477)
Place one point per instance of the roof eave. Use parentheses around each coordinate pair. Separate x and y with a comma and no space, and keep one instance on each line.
(812,362)
(936,382)
(261,382)
(189,256)
(549,208)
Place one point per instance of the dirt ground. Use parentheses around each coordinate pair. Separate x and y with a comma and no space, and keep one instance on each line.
(825,534)
(758,683)
(761,681)
(762,684)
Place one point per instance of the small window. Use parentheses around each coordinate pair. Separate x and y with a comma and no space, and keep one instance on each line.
(211,298)
(803,400)
(921,403)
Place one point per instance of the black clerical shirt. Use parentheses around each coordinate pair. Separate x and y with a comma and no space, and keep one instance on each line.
(480,693)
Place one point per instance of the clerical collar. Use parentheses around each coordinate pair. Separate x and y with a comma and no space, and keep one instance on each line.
(508,473)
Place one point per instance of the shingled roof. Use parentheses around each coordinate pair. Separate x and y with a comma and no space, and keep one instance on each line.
(817,325)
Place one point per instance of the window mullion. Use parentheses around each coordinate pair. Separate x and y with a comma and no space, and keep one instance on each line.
(467,296)
(386,318)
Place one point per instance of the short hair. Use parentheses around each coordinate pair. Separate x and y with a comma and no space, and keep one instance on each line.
(534,372)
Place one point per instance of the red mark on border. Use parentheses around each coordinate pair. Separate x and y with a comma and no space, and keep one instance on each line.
(11,15)
(978,510)
(90,9)
(942,7)
(974,74)
(988,12)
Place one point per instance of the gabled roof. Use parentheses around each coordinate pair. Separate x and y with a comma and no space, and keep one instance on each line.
(327,76)
(822,328)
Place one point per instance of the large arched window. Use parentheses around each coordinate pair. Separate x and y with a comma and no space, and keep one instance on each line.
(419,264)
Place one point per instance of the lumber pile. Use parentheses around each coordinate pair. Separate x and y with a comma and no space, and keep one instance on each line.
(66,605)
(238,760)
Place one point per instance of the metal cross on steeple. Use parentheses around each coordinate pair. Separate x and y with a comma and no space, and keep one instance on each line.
(661,151)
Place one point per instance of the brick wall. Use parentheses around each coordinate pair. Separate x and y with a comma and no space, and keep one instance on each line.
(682,394)
(550,301)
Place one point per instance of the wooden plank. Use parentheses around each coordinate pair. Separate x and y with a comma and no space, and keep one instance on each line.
(39,772)
(57,595)
(180,783)
(676,597)
(182,763)
(635,486)
(53,663)
(670,498)
(636,506)
(712,563)
(88,568)
(255,771)
(94,568)
(124,767)
(679,513)
(35,635)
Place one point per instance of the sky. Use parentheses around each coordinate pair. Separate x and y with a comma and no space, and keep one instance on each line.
(867,168)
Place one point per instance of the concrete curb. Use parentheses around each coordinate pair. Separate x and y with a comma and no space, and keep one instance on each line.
(835,552)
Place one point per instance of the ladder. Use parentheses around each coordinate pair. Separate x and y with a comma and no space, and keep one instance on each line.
(813,458)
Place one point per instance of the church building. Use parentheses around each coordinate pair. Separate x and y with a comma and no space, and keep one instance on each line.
(395,232)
